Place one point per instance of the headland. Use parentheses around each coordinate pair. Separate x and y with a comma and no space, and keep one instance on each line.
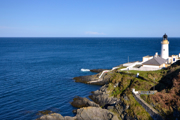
(144,90)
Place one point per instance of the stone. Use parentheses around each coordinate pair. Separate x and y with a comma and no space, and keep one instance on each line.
(85,113)
(116,85)
(52,116)
(94,113)
(126,117)
(176,113)
(74,111)
(80,102)
(110,107)
(125,97)
(93,79)
(69,118)
(101,97)
(97,70)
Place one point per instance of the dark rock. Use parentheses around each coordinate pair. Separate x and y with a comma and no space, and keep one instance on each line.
(74,111)
(80,102)
(101,97)
(120,108)
(97,70)
(110,107)
(125,97)
(93,79)
(126,117)
(176,113)
(85,79)
(44,112)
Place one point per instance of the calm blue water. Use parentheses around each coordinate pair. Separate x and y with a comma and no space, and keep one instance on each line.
(36,73)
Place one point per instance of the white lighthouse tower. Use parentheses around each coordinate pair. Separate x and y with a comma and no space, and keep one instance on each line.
(165,47)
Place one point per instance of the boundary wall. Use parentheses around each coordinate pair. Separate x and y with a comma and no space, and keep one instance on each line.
(153,113)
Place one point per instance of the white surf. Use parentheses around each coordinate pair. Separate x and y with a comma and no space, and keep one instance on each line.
(85,70)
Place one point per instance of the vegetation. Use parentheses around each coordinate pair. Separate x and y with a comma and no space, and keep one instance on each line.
(165,81)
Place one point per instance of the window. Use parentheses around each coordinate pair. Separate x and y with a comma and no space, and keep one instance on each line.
(163,49)
(174,59)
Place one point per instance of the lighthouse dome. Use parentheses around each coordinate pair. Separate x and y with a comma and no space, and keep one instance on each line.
(165,36)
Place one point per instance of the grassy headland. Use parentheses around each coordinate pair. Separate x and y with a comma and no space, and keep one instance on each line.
(166,81)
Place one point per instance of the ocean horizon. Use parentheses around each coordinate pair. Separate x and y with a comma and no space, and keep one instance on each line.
(37,73)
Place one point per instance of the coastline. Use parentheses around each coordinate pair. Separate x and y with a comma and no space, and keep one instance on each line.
(99,98)
(49,83)
(117,106)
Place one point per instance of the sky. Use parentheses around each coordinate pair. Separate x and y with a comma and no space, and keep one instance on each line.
(89,18)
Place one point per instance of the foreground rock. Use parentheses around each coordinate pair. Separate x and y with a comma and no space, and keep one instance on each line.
(94,113)
(80,102)
(54,116)
(87,113)
(102,98)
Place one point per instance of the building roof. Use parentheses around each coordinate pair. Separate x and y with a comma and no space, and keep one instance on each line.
(156,60)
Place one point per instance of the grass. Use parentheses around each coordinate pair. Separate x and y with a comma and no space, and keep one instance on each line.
(150,75)
(127,81)
(136,109)
(121,67)
(146,81)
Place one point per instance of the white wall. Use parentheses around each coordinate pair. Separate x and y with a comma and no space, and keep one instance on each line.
(152,66)
(165,51)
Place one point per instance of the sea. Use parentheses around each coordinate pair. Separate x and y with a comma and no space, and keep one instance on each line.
(37,74)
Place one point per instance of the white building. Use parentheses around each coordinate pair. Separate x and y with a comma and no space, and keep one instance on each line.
(161,61)
(155,62)
(164,53)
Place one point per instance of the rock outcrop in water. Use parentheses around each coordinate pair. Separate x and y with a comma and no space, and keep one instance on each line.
(123,104)
(87,113)
(94,79)
(80,102)
(102,98)
(97,70)
(90,110)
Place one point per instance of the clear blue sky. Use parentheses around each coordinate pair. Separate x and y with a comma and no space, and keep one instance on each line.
(89,18)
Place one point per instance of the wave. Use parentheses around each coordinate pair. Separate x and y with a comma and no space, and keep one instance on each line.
(85,70)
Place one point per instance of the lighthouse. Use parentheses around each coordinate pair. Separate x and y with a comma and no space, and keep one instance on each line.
(165,47)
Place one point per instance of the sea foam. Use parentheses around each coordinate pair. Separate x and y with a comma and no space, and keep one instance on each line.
(85,70)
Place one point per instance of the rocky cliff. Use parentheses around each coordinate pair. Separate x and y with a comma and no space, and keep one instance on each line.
(114,100)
